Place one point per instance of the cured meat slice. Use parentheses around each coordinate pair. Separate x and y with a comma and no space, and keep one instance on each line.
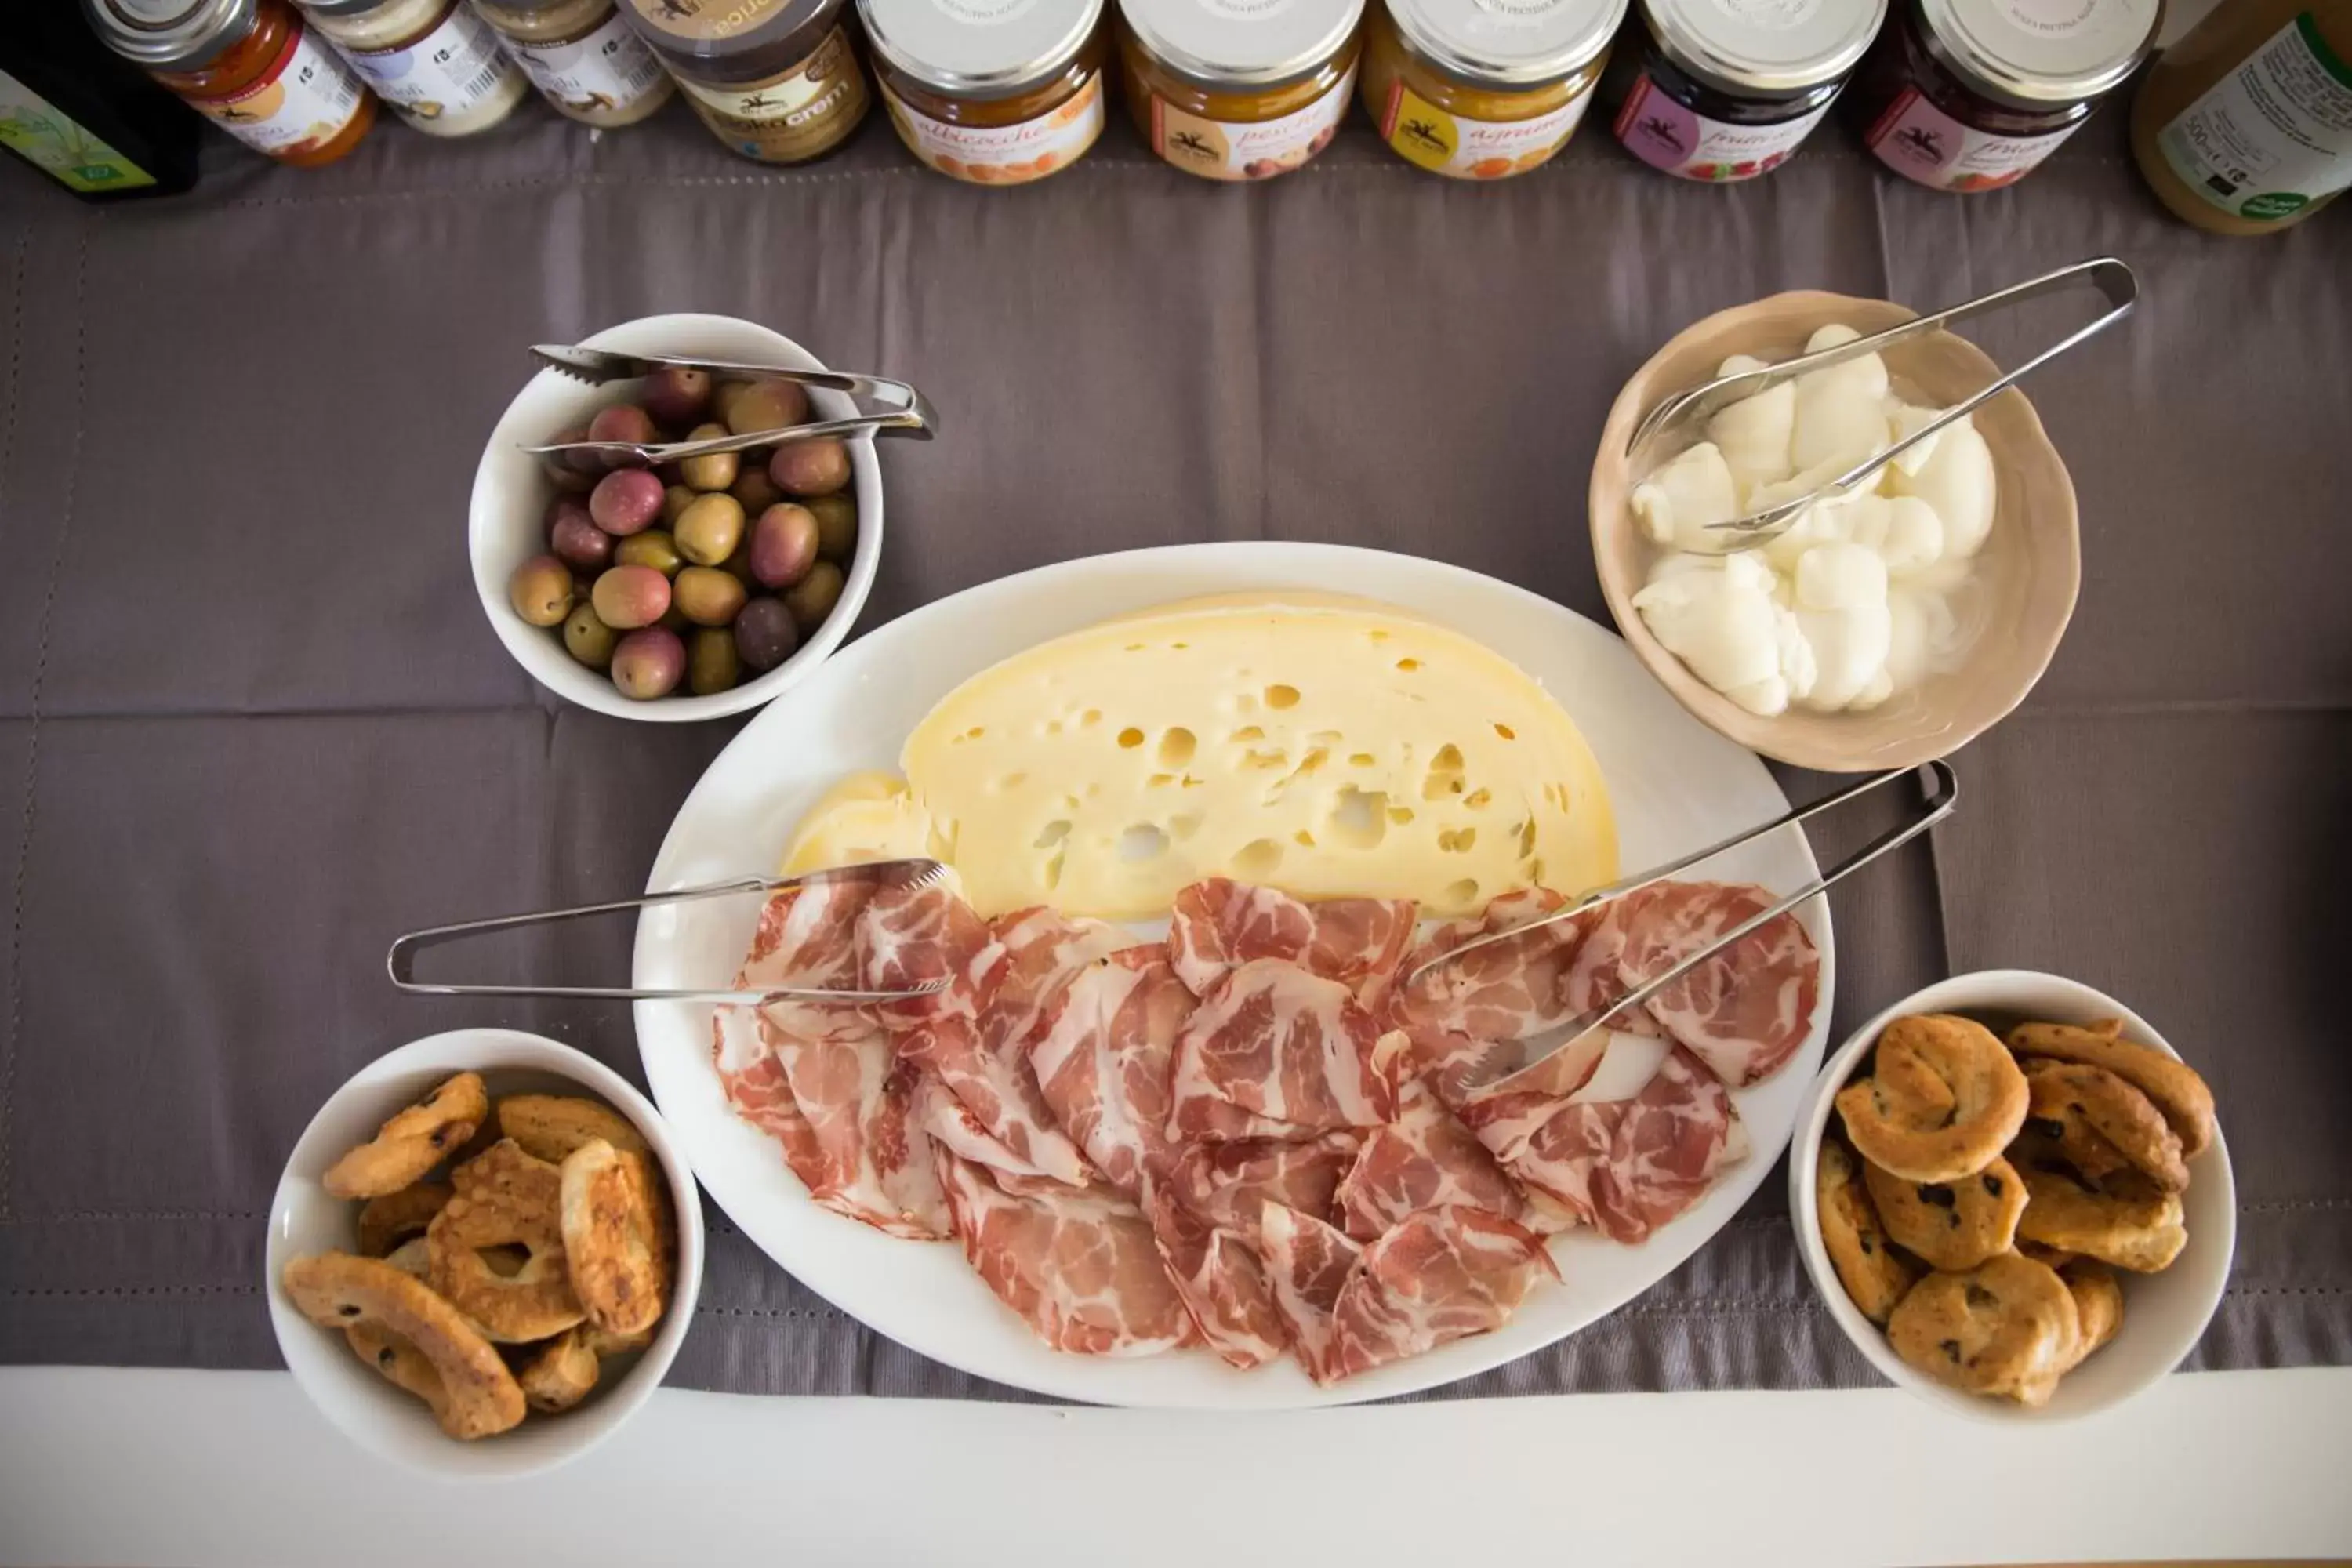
(1276,1052)
(1439,1276)
(1230,1184)
(909,936)
(1507,991)
(939,1114)
(1424,1159)
(1595,979)
(1222,1282)
(1453,1063)
(1043,950)
(1082,1268)
(1744,1011)
(1307,1265)
(755,1084)
(1218,925)
(807,936)
(990,1079)
(1103,1062)
(1554,1148)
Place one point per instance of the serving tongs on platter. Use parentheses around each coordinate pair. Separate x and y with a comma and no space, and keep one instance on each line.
(400,962)
(1669,427)
(908,413)
(1942,797)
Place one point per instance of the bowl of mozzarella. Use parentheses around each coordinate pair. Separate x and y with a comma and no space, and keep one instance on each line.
(1890,624)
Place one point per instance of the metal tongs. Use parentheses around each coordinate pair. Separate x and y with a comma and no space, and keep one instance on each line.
(1664,430)
(400,963)
(1939,805)
(911,415)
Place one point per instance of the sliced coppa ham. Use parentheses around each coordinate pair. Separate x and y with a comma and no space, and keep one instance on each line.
(1103,1062)
(1218,925)
(1307,1265)
(1745,1010)
(1223,1283)
(1081,1268)
(1510,991)
(1440,1275)
(1424,1159)
(1274,1051)
(1229,1185)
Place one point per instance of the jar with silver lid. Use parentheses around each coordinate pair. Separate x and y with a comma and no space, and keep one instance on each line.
(1238,89)
(1479,89)
(992,92)
(1727,90)
(583,57)
(1972,95)
(435,62)
(254,68)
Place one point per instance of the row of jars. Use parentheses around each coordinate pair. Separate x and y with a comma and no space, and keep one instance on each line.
(1956,94)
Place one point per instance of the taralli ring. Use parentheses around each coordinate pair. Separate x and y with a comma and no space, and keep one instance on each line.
(2124,1220)
(2102,1124)
(1872,1271)
(1943,1099)
(2183,1098)
(559,1374)
(505,1198)
(613,1240)
(477,1396)
(1951,1225)
(2008,1327)
(413,1141)
(552,1125)
(387,1221)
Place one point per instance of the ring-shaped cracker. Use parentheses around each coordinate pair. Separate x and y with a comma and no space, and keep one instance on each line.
(2183,1098)
(505,1198)
(2123,1220)
(413,1141)
(1952,1226)
(2102,1123)
(552,1125)
(477,1396)
(613,1238)
(2005,1327)
(1943,1099)
(1875,1275)
(559,1374)
(389,1219)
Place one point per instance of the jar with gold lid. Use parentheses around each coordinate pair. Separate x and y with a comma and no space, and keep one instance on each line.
(1480,90)
(1238,89)
(582,57)
(436,64)
(995,92)
(776,80)
(252,67)
(1723,90)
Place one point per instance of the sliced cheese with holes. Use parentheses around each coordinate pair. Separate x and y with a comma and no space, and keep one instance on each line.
(865,816)
(1325,747)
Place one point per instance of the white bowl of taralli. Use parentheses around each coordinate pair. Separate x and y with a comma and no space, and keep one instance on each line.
(2163,1313)
(307,1220)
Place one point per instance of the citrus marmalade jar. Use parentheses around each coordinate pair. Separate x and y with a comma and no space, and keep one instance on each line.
(1238,89)
(436,63)
(774,80)
(1482,89)
(1971,95)
(249,65)
(1727,90)
(583,58)
(998,92)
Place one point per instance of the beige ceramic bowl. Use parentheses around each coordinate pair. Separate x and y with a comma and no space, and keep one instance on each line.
(2027,574)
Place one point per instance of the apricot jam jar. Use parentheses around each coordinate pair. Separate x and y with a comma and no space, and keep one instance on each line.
(1481,89)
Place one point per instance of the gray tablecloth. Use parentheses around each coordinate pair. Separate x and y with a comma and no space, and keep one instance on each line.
(252,721)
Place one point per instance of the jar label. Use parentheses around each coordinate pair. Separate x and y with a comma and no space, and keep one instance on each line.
(1002,154)
(49,138)
(1666,135)
(1234,150)
(450,70)
(1920,141)
(1469,149)
(306,99)
(606,70)
(703,21)
(793,115)
(2273,136)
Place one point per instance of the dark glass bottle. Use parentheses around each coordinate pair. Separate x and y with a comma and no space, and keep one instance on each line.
(90,121)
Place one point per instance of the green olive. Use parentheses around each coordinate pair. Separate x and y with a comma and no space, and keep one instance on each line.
(711,665)
(836,526)
(709,530)
(766,405)
(712,471)
(588,639)
(541,591)
(756,490)
(653,548)
(708,596)
(675,500)
(812,599)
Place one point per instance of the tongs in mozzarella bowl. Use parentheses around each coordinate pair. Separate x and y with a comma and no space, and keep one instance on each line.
(400,962)
(910,413)
(1944,796)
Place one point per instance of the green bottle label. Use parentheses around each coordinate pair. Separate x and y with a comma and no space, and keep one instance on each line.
(50,138)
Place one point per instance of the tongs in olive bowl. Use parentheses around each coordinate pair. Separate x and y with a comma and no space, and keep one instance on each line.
(908,412)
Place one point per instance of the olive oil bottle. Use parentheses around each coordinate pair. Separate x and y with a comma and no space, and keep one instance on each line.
(87,120)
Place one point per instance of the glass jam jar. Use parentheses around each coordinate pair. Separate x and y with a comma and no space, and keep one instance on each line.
(436,64)
(582,57)
(1238,89)
(995,92)
(1479,90)
(1727,90)
(774,80)
(249,65)
(1971,95)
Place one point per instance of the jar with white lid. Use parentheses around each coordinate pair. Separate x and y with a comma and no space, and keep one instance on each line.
(1971,95)
(1727,90)
(994,92)
(1238,89)
(436,63)
(1482,90)
(582,57)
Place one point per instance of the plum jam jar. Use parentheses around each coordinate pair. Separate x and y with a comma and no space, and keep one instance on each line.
(1971,95)
(1727,90)
(991,92)
(1238,89)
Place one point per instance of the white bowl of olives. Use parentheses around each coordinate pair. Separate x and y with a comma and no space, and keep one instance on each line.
(688,593)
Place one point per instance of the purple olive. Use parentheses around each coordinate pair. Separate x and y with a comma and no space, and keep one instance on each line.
(623,422)
(810,468)
(754,489)
(562,468)
(580,543)
(675,396)
(783,545)
(648,664)
(626,500)
(627,597)
(541,591)
(764,633)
